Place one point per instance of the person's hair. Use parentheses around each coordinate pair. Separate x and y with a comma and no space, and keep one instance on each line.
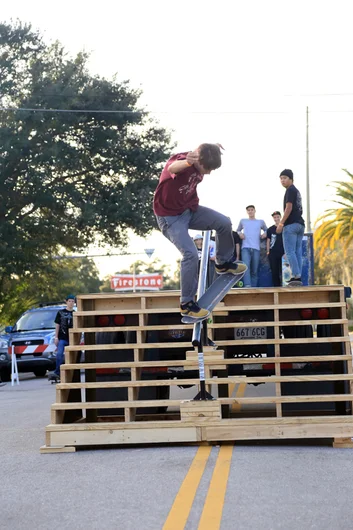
(275,213)
(250,206)
(210,156)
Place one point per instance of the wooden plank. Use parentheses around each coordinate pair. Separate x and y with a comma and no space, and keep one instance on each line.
(277,355)
(278,432)
(234,342)
(265,360)
(208,381)
(176,293)
(342,443)
(45,449)
(314,398)
(242,308)
(226,325)
(164,424)
(200,411)
(106,436)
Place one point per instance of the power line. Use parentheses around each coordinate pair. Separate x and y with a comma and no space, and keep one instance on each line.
(132,112)
(89,111)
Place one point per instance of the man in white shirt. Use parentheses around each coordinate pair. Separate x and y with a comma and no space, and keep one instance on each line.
(251,231)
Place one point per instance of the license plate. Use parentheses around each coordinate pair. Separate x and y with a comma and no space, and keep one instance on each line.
(250,333)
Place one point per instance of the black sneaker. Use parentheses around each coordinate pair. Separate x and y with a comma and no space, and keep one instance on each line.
(234,267)
(193,310)
(295,282)
(52,376)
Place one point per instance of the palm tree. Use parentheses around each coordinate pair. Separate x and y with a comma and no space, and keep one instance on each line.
(336,223)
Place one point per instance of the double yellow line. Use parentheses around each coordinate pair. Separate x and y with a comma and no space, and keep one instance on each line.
(213,507)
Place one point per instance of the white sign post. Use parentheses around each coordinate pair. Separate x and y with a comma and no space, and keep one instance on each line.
(14,369)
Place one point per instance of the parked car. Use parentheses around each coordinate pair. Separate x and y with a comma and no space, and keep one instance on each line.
(34,334)
(4,355)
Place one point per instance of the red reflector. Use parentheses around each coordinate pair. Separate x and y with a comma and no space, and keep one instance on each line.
(119,320)
(284,366)
(104,371)
(323,312)
(306,313)
(103,320)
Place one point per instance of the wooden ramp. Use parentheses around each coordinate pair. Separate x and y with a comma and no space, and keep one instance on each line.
(136,352)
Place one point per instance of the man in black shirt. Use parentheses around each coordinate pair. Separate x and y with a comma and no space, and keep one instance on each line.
(275,250)
(292,225)
(63,322)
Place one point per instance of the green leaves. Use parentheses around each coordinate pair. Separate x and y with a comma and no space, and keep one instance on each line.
(336,224)
(69,178)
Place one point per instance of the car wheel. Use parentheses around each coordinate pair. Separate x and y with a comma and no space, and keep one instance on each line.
(41,372)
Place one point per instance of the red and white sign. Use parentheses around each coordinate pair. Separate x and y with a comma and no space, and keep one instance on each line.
(147,282)
(30,350)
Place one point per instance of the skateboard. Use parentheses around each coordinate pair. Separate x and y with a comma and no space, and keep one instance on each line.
(214,294)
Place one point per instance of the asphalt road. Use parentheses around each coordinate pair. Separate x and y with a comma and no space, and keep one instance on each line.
(245,487)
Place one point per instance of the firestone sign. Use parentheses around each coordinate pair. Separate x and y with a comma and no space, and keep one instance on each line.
(147,282)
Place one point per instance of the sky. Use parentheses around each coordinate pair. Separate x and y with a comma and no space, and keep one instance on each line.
(239,73)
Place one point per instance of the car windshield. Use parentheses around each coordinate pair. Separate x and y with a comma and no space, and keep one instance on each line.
(43,319)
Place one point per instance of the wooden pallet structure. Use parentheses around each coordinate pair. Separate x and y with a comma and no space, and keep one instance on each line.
(106,399)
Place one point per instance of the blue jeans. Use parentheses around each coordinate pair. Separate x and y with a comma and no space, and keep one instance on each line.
(251,258)
(60,358)
(292,241)
(176,229)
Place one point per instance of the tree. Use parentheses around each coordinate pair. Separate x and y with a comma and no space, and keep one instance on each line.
(83,173)
(336,223)
(56,281)
(334,266)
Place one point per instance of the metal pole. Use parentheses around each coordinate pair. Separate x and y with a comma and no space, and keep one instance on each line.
(196,336)
(308,221)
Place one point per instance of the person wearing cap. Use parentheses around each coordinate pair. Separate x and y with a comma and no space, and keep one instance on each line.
(292,225)
(63,322)
(198,240)
(275,250)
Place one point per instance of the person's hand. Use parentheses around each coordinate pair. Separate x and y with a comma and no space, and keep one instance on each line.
(263,236)
(241,235)
(279,229)
(192,157)
(56,341)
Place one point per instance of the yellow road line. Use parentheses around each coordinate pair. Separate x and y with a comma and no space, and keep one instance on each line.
(180,510)
(213,508)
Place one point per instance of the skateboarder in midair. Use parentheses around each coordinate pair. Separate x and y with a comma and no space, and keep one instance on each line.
(177,209)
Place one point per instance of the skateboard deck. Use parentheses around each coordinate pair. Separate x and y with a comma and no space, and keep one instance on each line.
(214,294)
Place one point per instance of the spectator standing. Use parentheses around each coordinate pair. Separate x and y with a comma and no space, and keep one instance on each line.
(275,250)
(63,322)
(249,231)
(292,224)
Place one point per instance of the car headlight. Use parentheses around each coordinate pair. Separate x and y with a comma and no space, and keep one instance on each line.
(3,344)
(3,357)
(51,339)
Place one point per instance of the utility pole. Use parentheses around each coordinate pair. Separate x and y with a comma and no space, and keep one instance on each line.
(308,221)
